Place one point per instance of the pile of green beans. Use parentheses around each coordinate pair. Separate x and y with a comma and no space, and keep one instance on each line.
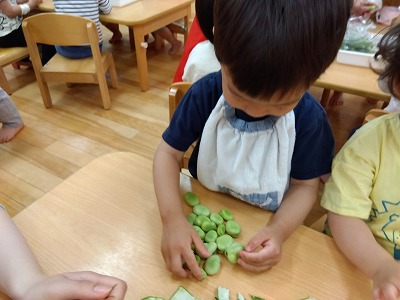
(217,230)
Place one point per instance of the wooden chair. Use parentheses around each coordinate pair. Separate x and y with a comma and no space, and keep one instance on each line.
(68,30)
(176,92)
(374,113)
(7,57)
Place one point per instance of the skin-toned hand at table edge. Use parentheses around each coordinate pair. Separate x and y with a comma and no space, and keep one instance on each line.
(254,117)
(362,195)
(22,278)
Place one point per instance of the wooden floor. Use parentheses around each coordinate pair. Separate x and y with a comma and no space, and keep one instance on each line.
(57,142)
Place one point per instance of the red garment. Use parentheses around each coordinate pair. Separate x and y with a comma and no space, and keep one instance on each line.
(195,36)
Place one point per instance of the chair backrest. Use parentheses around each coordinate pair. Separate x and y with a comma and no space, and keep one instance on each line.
(176,92)
(60,29)
(374,113)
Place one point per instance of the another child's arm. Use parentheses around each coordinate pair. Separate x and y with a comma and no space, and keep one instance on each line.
(105,7)
(13,11)
(22,278)
(265,249)
(178,233)
(364,8)
(356,241)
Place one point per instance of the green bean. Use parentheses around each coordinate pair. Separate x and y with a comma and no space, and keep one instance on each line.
(211,236)
(226,214)
(232,228)
(152,298)
(203,273)
(223,241)
(198,259)
(211,247)
(212,264)
(208,225)
(191,217)
(221,229)
(191,199)
(216,218)
(201,210)
(199,231)
(232,252)
(201,219)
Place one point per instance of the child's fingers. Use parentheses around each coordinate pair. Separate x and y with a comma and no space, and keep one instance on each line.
(387,292)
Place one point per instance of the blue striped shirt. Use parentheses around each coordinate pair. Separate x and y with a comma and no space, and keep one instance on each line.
(89,9)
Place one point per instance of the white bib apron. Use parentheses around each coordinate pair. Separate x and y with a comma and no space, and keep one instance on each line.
(249,160)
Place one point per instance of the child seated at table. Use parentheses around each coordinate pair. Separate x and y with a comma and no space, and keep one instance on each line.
(90,9)
(22,278)
(261,136)
(362,196)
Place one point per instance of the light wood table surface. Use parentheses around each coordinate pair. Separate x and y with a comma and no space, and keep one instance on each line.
(105,218)
(143,17)
(360,81)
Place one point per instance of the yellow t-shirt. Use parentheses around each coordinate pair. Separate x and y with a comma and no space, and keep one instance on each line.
(365,181)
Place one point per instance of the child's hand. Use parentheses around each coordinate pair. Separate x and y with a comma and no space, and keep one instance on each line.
(263,251)
(363,8)
(77,285)
(387,281)
(178,236)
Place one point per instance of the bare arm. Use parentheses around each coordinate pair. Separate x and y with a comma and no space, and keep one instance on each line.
(355,240)
(178,233)
(13,11)
(22,278)
(18,265)
(295,206)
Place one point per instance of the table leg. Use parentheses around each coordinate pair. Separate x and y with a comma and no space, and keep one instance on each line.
(186,22)
(131,38)
(141,58)
(325,97)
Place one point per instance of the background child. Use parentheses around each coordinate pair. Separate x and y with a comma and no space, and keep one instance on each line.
(90,9)
(11,35)
(9,118)
(22,278)
(261,137)
(363,193)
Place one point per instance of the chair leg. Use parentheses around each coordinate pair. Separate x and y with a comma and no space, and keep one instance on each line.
(105,95)
(44,91)
(4,82)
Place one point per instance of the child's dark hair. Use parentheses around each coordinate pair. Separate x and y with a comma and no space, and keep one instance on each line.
(273,46)
(389,53)
(204,13)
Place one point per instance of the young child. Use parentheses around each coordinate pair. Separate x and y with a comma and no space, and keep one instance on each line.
(90,9)
(362,196)
(22,278)
(9,118)
(11,34)
(261,137)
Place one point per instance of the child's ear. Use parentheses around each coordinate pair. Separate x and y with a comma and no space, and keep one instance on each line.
(396,87)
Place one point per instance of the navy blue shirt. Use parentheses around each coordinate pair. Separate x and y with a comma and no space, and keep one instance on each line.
(314,144)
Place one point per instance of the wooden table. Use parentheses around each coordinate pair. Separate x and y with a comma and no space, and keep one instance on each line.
(105,218)
(350,79)
(143,17)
